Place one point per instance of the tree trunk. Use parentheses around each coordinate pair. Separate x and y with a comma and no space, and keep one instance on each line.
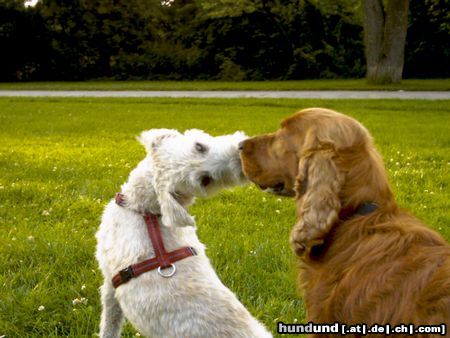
(384,39)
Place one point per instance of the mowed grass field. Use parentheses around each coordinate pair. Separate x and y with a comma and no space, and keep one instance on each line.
(329,84)
(62,160)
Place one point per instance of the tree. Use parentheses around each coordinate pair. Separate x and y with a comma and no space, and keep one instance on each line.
(385,29)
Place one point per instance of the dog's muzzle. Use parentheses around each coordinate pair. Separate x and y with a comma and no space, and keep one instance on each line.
(205,180)
(278,189)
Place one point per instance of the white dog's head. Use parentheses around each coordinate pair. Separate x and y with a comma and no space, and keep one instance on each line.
(193,164)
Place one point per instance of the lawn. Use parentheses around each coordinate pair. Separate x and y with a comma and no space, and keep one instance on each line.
(63,159)
(347,84)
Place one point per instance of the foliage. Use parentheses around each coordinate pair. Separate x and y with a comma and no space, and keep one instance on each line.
(23,54)
(428,41)
(205,39)
(89,38)
(63,159)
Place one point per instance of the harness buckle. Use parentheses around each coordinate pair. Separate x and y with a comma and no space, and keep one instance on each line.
(126,274)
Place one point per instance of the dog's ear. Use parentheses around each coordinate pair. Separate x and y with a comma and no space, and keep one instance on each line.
(173,213)
(151,139)
(317,188)
(240,134)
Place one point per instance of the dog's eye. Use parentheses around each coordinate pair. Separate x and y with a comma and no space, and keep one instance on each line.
(200,147)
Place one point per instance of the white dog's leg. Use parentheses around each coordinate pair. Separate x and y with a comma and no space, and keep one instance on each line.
(112,316)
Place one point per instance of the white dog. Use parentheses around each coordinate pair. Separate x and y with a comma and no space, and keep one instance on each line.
(193,302)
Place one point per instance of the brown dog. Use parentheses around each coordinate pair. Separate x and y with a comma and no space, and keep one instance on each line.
(362,259)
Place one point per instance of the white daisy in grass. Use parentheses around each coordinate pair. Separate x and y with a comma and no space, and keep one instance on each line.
(78,301)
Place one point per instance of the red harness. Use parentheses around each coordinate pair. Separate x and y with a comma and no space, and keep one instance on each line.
(162,259)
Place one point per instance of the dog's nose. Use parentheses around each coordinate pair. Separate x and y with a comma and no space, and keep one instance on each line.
(241,145)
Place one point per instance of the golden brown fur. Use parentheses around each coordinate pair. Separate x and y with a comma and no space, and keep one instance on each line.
(384,267)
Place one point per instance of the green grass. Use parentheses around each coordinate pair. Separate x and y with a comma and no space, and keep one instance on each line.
(349,84)
(63,159)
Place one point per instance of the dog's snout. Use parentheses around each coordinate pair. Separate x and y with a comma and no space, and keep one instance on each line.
(246,146)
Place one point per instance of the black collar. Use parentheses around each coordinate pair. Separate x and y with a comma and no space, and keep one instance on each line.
(362,209)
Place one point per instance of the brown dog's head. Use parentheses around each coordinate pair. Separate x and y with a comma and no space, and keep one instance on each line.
(270,162)
(323,158)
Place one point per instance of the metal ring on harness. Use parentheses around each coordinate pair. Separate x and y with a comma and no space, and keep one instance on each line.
(170,274)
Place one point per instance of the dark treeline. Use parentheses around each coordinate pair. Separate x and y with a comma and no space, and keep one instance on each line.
(206,39)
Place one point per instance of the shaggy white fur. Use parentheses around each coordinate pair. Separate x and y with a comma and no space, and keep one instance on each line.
(194,302)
